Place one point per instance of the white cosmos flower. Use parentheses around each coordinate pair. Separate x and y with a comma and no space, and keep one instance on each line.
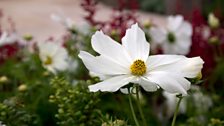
(54,57)
(130,62)
(175,38)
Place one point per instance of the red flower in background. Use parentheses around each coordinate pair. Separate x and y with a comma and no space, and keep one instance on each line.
(8,50)
(120,19)
(200,46)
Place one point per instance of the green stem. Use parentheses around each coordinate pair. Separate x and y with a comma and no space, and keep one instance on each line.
(132,109)
(139,106)
(176,111)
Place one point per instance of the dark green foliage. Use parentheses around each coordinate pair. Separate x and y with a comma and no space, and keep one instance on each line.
(14,113)
(157,6)
(76,106)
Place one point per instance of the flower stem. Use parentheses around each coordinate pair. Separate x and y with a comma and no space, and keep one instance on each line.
(139,106)
(132,109)
(176,111)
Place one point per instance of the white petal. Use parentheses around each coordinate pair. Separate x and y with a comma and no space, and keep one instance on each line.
(6,38)
(174,22)
(148,85)
(176,64)
(47,48)
(102,65)
(111,85)
(50,68)
(191,67)
(135,43)
(109,48)
(61,53)
(3,38)
(185,29)
(125,90)
(101,76)
(156,62)
(170,82)
(60,63)
(169,48)
(158,35)
(183,44)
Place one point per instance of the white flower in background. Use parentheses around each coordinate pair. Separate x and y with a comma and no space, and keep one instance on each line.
(175,38)
(67,22)
(7,38)
(201,101)
(130,62)
(171,102)
(1,124)
(213,21)
(83,27)
(53,56)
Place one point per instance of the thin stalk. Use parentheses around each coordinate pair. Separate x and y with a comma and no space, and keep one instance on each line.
(132,109)
(139,106)
(176,111)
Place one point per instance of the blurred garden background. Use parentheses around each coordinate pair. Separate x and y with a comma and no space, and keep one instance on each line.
(43,82)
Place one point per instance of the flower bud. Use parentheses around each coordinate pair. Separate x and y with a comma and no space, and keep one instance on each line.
(213,21)
(22,87)
(213,40)
(28,37)
(199,76)
(119,123)
(3,79)
(60,110)
(147,24)
(46,73)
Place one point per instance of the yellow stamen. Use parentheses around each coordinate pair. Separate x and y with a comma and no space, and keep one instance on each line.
(138,68)
(48,60)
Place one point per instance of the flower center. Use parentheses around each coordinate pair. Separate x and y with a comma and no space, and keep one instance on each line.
(138,68)
(48,60)
(171,37)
